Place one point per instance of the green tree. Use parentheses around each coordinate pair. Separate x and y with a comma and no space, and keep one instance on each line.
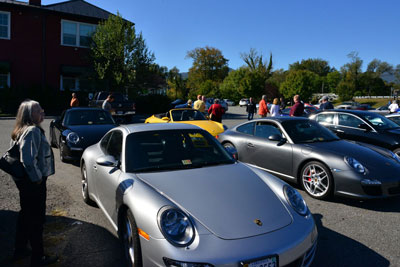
(232,86)
(209,67)
(316,65)
(332,81)
(379,67)
(351,73)
(176,85)
(120,58)
(300,82)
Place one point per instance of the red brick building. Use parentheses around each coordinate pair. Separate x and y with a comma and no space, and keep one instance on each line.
(46,45)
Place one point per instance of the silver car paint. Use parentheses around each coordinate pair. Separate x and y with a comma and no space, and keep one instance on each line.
(145,201)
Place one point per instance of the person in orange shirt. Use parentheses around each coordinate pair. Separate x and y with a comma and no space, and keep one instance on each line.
(262,107)
(74,101)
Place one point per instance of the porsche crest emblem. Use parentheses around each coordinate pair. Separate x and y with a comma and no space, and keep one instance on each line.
(258,222)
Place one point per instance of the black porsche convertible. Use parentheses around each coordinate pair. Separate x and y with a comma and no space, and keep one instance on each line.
(78,128)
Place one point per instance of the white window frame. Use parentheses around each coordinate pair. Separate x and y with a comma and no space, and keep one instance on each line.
(76,89)
(8,80)
(9,25)
(77,36)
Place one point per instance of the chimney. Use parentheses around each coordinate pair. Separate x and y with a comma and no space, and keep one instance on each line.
(35,2)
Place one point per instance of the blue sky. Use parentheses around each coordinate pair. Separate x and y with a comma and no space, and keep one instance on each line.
(291,30)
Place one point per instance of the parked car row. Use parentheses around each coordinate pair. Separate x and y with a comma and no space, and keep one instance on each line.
(182,181)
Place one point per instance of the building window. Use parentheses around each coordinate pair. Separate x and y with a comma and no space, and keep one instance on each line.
(4,25)
(76,34)
(4,80)
(69,83)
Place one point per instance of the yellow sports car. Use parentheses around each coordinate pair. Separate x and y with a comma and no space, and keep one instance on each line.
(190,116)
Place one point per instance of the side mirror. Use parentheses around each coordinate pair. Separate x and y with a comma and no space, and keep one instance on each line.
(364,127)
(277,138)
(165,118)
(108,161)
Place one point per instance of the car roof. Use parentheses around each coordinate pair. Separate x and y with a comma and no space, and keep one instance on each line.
(132,128)
(84,108)
(351,111)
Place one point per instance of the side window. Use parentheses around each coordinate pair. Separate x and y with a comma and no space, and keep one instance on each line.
(114,147)
(247,128)
(325,118)
(104,142)
(349,120)
(265,130)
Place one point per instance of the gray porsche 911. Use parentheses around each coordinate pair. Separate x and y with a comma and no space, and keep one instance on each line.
(178,198)
(302,151)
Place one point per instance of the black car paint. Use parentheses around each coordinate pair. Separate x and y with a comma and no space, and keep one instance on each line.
(368,133)
(90,134)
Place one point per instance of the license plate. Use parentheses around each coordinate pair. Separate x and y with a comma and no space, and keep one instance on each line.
(270,261)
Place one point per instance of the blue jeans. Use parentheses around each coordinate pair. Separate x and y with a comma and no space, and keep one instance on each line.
(250,116)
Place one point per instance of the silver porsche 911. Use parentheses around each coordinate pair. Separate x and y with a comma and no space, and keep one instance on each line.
(302,151)
(177,198)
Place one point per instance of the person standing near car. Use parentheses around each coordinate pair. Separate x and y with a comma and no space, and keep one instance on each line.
(216,111)
(199,104)
(283,104)
(107,103)
(275,108)
(298,107)
(393,107)
(38,161)
(262,107)
(251,108)
(326,104)
(74,101)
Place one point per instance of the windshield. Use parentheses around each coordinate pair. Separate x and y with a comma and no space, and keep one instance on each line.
(88,117)
(187,115)
(308,131)
(380,122)
(173,150)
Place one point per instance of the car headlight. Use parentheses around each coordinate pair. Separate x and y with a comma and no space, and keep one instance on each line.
(395,157)
(355,164)
(73,138)
(176,226)
(295,200)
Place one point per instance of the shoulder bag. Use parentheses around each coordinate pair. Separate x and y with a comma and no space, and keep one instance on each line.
(10,163)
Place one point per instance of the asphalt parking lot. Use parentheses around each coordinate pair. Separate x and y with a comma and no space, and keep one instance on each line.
(351,233)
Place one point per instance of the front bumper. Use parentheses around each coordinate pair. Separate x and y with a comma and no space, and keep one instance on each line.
(72,153)
(349,184)
(294,244)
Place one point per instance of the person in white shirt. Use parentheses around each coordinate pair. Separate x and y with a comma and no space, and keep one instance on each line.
(275,108)
(393,107)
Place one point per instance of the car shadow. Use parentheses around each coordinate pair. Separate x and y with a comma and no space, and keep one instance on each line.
(383,205)
(335,249)
(77,243)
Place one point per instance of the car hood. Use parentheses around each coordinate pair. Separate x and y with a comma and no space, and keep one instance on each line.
(91,134)
(226,199)
(214,128)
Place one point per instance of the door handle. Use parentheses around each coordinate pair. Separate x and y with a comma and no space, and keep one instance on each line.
(95,167)
(250,145)
(339,131)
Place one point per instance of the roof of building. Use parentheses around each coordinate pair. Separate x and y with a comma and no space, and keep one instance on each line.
(74,7)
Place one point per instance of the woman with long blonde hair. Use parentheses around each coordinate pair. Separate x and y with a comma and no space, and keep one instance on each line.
(38,161)
(275,108)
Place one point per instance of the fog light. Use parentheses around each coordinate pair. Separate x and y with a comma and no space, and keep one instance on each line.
(174,263)
(370,182)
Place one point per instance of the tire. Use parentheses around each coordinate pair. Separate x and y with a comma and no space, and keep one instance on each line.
(130,240)
(397,151)
(85,187)
(316,180)
(52,141)
(61,150)
(231,149)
